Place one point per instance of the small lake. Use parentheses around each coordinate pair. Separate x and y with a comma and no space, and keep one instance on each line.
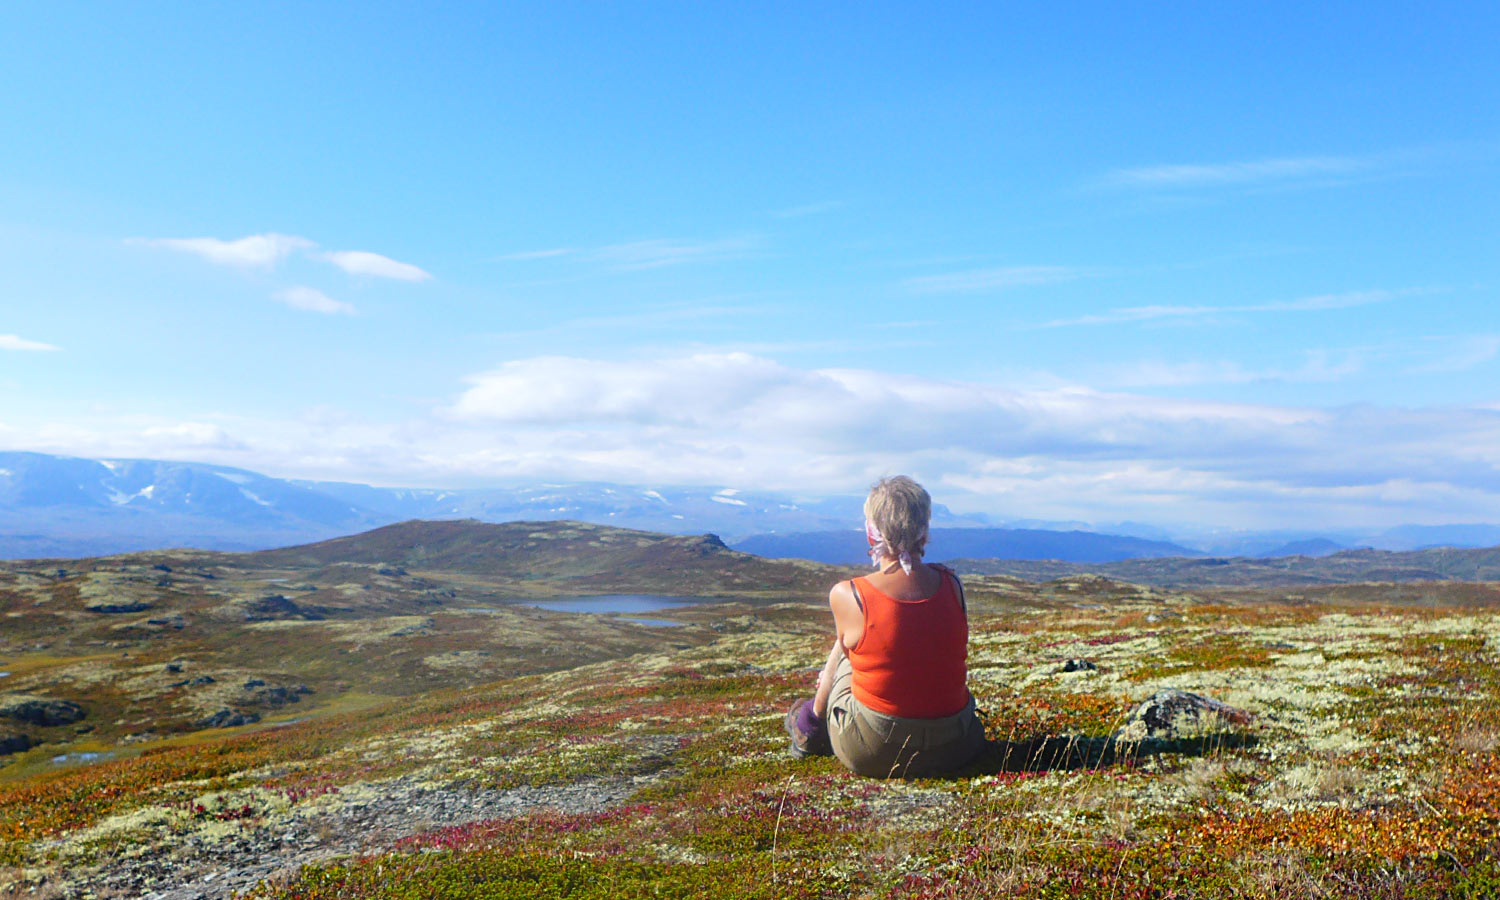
(655,623)
(632,605)
(617,603)
(81,757)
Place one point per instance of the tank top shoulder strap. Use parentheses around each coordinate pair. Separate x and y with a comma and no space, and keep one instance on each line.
(958,586)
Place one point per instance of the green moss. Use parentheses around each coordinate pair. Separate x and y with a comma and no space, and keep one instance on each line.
(500,875)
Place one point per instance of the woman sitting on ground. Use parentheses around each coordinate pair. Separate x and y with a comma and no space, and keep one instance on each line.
(892,699)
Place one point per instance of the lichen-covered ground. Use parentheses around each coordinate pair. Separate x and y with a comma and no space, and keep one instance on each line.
(1370,771)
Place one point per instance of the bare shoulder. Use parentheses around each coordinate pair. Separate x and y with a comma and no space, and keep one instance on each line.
(848,617)
(841,598)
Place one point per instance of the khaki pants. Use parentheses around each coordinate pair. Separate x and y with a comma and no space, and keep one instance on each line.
(880,746)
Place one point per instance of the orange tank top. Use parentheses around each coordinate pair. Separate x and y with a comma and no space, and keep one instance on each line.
(910,661)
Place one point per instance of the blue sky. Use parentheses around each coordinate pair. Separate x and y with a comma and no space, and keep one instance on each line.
(1226,266)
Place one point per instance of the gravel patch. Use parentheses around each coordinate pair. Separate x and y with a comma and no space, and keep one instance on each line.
(197,869)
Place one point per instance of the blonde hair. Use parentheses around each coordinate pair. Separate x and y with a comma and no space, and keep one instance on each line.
(901,509)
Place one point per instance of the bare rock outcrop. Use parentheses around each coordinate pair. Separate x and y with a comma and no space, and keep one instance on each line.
(1172,714)
(42,711)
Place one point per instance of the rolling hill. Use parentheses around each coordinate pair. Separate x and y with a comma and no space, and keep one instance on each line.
(561,556)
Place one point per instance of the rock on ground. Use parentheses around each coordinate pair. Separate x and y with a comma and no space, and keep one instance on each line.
(1177,714)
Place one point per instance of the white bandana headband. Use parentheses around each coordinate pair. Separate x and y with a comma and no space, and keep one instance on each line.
(880,549)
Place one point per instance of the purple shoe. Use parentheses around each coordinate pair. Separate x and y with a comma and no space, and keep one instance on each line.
(808,731)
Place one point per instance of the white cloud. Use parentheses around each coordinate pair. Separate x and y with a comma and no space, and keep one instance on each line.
(192,435)
(15,342)
(1061,453)
(361,262)
(991,279)
(1236,173)
(312,300)
(734,393)
(255,251)
(1064,453)
(267,250)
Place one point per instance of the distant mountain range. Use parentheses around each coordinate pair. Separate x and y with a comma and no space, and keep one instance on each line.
(1346,567)
(59,506)
(847,547)
(64,506)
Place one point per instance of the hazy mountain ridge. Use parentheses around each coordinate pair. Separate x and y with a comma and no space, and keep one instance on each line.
(56,506)
(67,506)
(847,547)
(1348,566)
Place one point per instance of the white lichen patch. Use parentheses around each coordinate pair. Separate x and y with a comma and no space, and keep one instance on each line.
(1330,781)
(457,659)
(85,673)
(371,631)
(433,747)
(208,818)
(111,588)
(286,625)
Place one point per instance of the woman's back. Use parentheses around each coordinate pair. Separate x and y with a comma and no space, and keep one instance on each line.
(909,660)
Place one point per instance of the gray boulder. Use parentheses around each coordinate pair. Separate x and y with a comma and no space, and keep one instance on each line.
(39,711)
(1173,714)
(14,743)
(229,718)
(276,606)
(113,607)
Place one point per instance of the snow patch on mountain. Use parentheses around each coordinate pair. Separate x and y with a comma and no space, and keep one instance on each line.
(255,498)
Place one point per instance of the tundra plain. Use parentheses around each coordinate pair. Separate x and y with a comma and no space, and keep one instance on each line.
(383,716)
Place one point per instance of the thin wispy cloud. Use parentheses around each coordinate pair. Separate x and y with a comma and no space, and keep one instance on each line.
(363,262)
(18,343)
(654,319)
(1260,171)
(1462,354)
(312,300)
(1150,313)
(653,254)
(807,209)
(524,255)
(1319,366)
(254,251)
(991,279)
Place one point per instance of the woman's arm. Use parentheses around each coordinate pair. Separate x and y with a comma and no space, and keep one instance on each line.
(825,680)
(848,627)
